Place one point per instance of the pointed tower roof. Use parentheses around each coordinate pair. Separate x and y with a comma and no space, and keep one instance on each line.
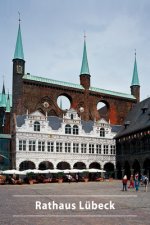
(135,78)
(85,66)
(8,104)
(19,47)
(3,98)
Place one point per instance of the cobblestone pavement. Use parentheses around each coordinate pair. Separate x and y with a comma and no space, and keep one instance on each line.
(18,204)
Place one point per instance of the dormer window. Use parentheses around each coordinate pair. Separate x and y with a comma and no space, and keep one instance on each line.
(36,126)
(71,116)
(75,130)
(67,129)
(102,132)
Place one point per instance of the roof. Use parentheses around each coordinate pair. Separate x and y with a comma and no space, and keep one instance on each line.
(50,81)
(85,66)
(114,93)
(135,78)
(77,86)
(5,136)
(55,123)
(6,96)
(137,120)
(19,47)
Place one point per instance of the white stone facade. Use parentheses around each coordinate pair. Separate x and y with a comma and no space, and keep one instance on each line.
(38,142)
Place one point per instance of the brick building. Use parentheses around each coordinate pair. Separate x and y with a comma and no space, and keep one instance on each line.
(37,93)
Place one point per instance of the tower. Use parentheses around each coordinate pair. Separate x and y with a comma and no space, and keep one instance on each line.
(18,72)
(85,74)
(135,85)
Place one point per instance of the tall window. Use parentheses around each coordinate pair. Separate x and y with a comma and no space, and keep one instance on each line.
(22,145)
(71,116)
(36,126)
(67,147)
(75,148)
(58,146)
(41,146)
(102,132)
(105,149)
(83,148)
(91,148)
(50,146)
(75,129)
(112,150)
(31,145)
(67,129)
(98,149)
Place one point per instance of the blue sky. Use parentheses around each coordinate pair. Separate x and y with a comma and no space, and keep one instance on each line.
(52,33)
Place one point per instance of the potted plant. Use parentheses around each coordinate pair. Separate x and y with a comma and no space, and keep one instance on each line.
(85,176)
(60,177)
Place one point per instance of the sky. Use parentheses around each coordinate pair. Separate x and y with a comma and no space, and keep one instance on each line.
(53,35)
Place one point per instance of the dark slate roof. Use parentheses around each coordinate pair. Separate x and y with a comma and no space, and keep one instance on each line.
(20,119)
(136,119)
(87,126)
(116,128)
(54,122)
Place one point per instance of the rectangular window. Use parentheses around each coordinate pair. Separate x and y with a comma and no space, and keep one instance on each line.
(41,146)
(31,145)
(67,147)
(83,148)
(75,148)
(91,148)
(105,149)
(50,146)
(98,149)
(112,150)
(58,146)
(22,145)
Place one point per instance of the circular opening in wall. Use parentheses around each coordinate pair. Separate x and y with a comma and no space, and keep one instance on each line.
(102,108)
(63,102)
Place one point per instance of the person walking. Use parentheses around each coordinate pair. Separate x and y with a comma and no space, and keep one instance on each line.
(124,182)
(136,182)
(145,182)
(131,184)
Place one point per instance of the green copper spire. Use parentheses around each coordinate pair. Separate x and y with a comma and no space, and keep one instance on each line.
(8,104)
(19,47)
(135,78)
(85,66)
(3,99)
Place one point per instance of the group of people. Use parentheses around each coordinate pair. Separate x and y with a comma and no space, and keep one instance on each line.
(135,182)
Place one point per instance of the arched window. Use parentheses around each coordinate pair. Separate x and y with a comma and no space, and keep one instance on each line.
(102,132)
(71,116)
(36,126)
(75,129)
(67,129)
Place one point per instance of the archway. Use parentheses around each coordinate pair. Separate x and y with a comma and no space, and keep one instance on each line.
(109,167)
(119,171)
(136,167)
(25,165)
(103,110)
(46,165)
(127,170)
(94,165)
(63,165)
(79,165)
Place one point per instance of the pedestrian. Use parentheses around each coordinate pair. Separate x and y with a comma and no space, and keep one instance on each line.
(124,182)
(131,185)
(145,182)
(77,177)
(136,182)
(69,178)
